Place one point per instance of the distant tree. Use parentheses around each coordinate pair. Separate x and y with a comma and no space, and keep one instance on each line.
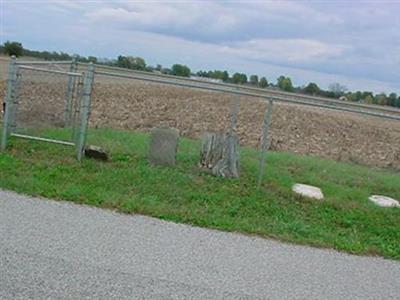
(158,67)
(397,103)
(123,62)
(216,74)
(180,70)
(392,99)
(225,76)
(285,83)
(369,99)
(357,96)
(312,89)
(166,71)
(131,62)
(254,79)
(351,97)
(202,73)
(381,99)
(137,63)
(13,48)
(239,78)
(92,59)
(263,83)
(149,68)
(337,89)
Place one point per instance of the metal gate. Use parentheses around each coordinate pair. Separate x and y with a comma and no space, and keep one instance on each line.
(47,105)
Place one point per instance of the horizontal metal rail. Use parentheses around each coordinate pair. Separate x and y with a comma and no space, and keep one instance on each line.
(44,62)
(238,91)
(268,92)
(28,137)
(50,71)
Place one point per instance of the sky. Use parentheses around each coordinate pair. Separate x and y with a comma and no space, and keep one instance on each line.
(355,43)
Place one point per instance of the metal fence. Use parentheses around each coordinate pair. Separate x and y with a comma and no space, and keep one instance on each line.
(64,89)
(43,96)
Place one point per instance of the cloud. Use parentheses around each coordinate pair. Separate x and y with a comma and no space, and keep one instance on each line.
(334,40)
(211,20)
(287,50)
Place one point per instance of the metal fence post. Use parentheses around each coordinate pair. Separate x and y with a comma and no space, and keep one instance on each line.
(70,92)
(9,101)
(234,114)
(85,110)
(265,141)
(12,118)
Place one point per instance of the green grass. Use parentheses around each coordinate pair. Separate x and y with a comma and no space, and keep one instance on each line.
(346,220)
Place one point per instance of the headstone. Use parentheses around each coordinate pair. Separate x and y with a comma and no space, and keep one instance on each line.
(384,201)
(308,191)
(163,146)
(220,154)
(96,153)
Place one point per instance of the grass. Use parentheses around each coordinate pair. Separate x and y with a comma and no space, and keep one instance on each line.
(346,220)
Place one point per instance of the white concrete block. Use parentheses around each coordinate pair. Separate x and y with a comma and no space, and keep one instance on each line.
(384,201)
(308,191)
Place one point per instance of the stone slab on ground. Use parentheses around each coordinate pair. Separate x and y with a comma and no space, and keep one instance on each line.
(163,146)
(308,191)
(96,153)
(384,201)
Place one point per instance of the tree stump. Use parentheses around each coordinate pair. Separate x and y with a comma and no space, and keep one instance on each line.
(220,154)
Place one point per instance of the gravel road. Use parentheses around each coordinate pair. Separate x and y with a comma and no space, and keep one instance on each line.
(58,250)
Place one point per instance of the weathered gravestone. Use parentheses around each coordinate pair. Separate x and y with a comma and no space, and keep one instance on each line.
(220,154)
(163,146)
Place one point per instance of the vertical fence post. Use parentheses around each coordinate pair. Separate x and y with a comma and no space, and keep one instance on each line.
(9,101)
(265,141)
(12,117)
(85,110)
(70,92)
(234,114)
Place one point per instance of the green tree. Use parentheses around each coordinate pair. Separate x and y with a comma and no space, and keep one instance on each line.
(381,99)
(239,78)
(357,96)
(13,48)
(123,62)
(337,89)
(263,82)
(285,83)
(92,59)
(137,63)
(351,97)
(365,94)
(180,70)
(131,62)
(392,99)
(312,89)
(397,104)
(369,99)
(225,76)
(254,79)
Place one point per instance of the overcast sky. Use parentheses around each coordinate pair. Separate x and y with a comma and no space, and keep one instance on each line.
(355,43)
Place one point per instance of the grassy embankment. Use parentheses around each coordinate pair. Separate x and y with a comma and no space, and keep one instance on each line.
(346,220)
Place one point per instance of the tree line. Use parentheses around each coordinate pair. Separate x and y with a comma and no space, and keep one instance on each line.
(284,83)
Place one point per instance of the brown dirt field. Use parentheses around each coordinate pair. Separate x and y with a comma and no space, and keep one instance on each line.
(294,128)
(321,132)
